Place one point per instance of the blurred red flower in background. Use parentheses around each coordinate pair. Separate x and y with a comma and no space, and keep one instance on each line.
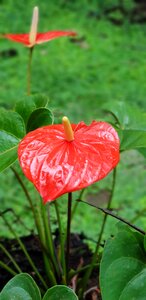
(33,37)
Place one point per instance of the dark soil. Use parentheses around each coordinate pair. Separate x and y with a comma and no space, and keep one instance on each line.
(80,255)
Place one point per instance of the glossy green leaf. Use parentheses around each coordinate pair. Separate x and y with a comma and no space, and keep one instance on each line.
(15,293)
(8,149)
(123,260)
(38,118)
(129,268)
(145,243)
(12,122)
(21,287)
(60,292)
(28,104)
(136,288)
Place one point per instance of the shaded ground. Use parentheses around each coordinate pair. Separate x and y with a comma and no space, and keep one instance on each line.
(80,255)
(119,12)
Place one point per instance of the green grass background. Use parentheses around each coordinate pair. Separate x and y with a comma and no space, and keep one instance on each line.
(105,63)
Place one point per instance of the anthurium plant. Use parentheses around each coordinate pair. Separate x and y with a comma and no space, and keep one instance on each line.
(59,158)
(34,38)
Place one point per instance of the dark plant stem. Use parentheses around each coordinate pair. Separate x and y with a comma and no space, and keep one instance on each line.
(108,212)
(68,235)
(61,238)
(29,71)
(77,203)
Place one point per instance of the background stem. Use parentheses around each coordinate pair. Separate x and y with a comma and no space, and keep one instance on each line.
(29,71)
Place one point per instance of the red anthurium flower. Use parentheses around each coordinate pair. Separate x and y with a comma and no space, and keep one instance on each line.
(64,158)
(33,38)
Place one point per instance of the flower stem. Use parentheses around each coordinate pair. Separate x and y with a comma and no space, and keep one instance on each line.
(35,210)
(93,261)
(29,71)
(42,229)
(23,187)
(49,240)
(68,235)
(77,203)
(108,207)
(63,263)
(42,237)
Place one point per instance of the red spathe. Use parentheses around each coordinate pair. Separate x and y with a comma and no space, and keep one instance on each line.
(40,37)
(56,166)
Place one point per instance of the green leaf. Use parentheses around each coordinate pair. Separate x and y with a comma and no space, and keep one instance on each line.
(21,287)
(131,124)
(60,292)
(8,158)
(8,149)
(136,289)
(25,107)
(40,100)
(12,122)
(133,139)
(38,118)
(123,260)
(145,243)
(15,293)
(127,116)
(28,104)
(128,267)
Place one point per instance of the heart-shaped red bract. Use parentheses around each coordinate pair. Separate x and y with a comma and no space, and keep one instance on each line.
(56,166)
(40,37)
